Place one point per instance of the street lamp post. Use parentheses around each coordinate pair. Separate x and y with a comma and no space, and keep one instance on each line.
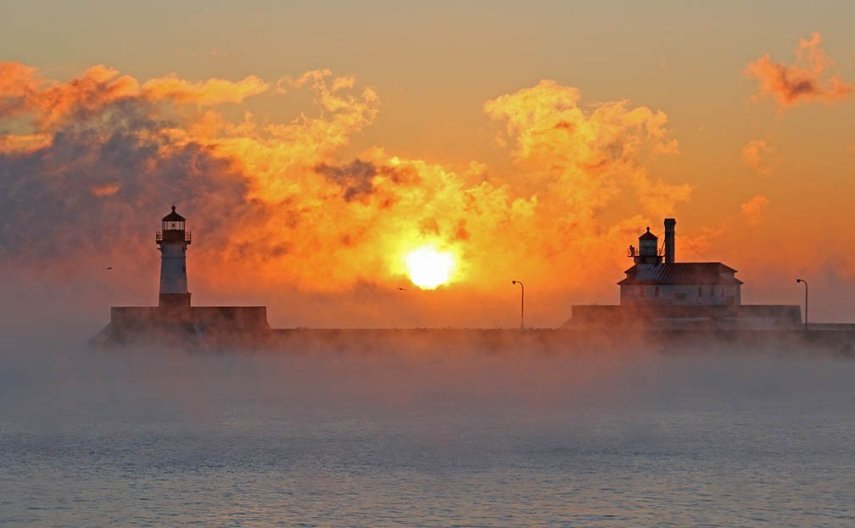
(806,300)
(522,303)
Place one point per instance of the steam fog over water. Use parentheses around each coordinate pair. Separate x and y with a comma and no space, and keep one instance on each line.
(417,436)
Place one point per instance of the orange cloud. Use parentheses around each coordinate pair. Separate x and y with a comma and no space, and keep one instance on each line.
(208,93)
(587,158)
(755,155)
(50,103)
(23,143)
(754,210)
(24,93)
(108,189)
(95,88)
(16,80)
(810,78)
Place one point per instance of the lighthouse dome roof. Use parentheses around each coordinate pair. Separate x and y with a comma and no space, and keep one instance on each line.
(648,236)
(173,216)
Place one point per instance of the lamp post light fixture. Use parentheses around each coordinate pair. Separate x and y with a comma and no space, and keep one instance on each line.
(806,300)
(522,303)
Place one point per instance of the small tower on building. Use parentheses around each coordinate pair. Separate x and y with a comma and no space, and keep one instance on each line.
(172,240)
(647,251)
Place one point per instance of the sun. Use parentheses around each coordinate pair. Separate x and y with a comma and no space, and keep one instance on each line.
(429,268)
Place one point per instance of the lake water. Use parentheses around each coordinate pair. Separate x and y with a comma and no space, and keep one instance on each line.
(436,438)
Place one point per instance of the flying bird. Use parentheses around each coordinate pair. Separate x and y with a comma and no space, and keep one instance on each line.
(402,289)
(109,267)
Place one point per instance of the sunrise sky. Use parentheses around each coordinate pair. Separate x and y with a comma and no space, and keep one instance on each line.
(312,146)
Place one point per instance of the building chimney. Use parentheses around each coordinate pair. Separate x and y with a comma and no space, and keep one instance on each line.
(669,240)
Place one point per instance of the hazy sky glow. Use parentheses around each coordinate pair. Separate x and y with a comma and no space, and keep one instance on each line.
(312,146)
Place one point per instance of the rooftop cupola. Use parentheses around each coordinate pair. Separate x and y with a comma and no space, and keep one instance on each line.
(173,229)
(647,251)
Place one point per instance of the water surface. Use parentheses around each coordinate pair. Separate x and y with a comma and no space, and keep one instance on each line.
(436,438)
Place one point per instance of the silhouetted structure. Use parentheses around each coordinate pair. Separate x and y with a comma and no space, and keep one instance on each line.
(172,240)
(174,317)
(658,280)
(175,321)
(658,291)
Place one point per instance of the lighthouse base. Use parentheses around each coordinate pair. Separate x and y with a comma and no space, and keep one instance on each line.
(197,325)
(174,300)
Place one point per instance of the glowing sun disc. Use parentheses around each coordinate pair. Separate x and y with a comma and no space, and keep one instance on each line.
(429,268)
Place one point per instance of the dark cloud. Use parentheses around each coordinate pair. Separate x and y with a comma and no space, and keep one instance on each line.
(53,203)
(355,178)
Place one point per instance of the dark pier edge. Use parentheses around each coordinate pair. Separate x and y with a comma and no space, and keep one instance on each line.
(245,328)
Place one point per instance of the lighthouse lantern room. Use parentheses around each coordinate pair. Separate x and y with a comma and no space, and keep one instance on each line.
(172,241)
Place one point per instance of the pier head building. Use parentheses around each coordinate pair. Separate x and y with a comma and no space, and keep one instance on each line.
(658,291)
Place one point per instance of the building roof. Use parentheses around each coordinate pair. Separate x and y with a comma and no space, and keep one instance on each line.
(680,273)
(173,216)
(648,235)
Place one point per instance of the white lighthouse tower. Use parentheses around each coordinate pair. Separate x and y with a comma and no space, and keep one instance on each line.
(173,240)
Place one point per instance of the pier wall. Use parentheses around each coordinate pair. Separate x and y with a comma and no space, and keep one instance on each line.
(215,323)
(675,317)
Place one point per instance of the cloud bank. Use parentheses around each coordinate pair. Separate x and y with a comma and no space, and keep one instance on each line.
(285,209)
(88,166)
